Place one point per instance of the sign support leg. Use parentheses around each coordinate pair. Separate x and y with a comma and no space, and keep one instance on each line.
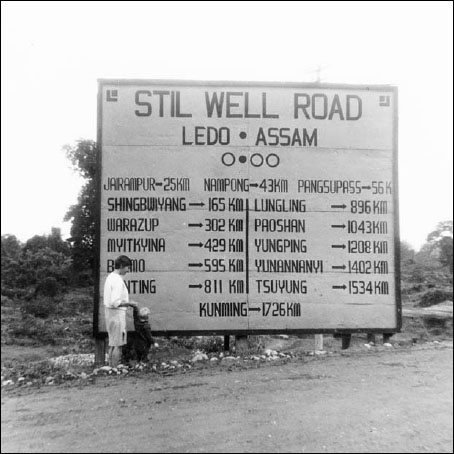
(226,343)
(346,339)
(100,352)
(318,342)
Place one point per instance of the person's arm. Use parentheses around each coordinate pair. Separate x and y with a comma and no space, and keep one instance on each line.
(128,304)
(118,299)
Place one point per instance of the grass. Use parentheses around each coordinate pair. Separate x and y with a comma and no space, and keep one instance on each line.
(32,332)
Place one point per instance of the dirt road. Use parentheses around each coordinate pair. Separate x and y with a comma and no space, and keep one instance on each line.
(381,401)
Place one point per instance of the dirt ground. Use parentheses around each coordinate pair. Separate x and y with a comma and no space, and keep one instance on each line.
(359,400)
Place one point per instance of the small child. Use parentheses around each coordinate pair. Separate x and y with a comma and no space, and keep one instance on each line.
(140,341)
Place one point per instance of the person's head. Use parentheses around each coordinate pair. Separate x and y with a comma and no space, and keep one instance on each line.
(122,264)
(144,312)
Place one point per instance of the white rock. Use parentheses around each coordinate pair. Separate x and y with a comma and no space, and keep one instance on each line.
(174,363)
(214,359)
(221,355)
(255,358)
(387,344)
(49,379)
(268,352)
(283,336)
(20,379)
(83,376)
(229,358)
(199,357)
(7,383)
(106,368)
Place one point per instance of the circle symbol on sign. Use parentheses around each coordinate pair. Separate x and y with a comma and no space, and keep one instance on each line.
(256,160)
(272,160)
(228,159)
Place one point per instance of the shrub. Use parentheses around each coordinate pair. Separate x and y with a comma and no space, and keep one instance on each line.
(76,303)
(435,296)
(209,344)
(6,301)
(47,287)
(42,308)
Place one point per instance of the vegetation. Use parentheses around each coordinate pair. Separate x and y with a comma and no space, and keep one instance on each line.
(42,264)
(84,158)
(47,283)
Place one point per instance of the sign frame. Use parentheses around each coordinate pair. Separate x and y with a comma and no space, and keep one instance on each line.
(262,84)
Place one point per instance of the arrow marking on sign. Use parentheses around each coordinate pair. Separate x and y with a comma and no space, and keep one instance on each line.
(254,185)
(342,226)
(195,264)
(338,267)
(195,225)
(338,246)
(195,244)
(366,187)
(195,285)
(253,309)
(339,206)
(340,287)
(199,204)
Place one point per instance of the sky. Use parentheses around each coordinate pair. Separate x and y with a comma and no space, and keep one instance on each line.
(54,52)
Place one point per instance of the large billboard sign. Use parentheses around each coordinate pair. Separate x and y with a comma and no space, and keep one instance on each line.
(251,207)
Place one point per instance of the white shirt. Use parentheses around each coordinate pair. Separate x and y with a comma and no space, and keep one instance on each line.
(115,292)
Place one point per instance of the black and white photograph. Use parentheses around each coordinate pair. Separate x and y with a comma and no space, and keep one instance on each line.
(227,227)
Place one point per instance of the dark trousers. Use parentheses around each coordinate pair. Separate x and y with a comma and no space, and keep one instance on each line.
(137,348)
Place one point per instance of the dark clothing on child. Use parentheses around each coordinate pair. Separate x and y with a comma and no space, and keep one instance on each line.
(140,341)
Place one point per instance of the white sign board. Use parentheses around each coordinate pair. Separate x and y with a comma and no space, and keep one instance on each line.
(251,208)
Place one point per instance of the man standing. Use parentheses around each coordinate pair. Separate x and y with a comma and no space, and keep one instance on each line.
(116,300)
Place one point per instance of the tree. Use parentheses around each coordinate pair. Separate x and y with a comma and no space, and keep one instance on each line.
(42,257)
(11,252)
(407,253)
(11,247)
(84,157)
(440,240)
